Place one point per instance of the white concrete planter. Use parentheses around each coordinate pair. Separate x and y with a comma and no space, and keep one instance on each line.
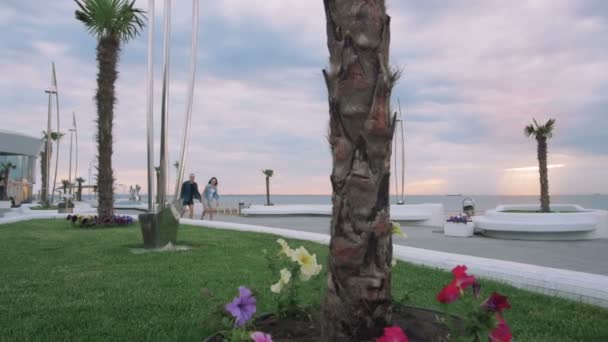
(5,204)
(459,229)
(567,222)
(416,215)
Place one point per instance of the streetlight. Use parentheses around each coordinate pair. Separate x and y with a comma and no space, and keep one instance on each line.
(73,131)
(51,91)
(70,169)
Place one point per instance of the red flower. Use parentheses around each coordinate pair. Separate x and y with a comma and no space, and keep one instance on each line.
(449,294)
(393,334)
(463,280)
(459,271)
(497,303)
(501,333)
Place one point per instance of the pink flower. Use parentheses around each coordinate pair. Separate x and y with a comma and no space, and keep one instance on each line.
(393,334)
(261,337)
(501,333)
(449,294)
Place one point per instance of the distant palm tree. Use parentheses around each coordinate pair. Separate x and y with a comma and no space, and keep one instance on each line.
(5,170)
(268,174)
(79,180)
(55,136)
(113,22)
(65,184)
(542,133)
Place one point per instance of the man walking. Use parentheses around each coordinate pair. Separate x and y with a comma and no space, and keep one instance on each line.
(189,193)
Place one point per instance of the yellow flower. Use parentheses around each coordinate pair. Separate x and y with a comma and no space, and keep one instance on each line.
(285,249)
(285,278)
(397,230)
(308,263)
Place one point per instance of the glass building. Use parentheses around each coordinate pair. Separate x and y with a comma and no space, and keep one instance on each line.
(22,151)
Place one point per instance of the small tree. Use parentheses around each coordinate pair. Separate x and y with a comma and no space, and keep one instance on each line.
(44,195)
(268,174)
(79,180)
(5,170)
(542,133)
(65,184)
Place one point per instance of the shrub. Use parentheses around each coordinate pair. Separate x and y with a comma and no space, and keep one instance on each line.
(90,221)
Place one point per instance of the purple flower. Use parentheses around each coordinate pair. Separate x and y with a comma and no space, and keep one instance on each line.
(459,219)
(242,307)
(69,218)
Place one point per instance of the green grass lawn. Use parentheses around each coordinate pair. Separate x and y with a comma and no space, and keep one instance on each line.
(59,283)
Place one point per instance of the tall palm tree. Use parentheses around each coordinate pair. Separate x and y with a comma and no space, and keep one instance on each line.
(79,180)
(55,136)
(359,82)
(542,133)
(268,174)
(114,23)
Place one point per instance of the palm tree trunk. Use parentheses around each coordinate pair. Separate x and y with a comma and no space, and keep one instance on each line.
(267,190)
(107,57)
(544,176)
(44,193)
(358,298)
(79,193)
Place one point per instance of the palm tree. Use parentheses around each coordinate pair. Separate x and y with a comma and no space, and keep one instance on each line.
(268,174)
(359,82)
(79,180)
(5,170)
(65,184)
(542,133)
(113,23)
(55,136)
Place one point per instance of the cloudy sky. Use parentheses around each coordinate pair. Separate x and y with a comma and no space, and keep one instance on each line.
(475,73)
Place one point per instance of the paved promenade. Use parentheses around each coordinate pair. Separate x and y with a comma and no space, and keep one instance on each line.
(581,256)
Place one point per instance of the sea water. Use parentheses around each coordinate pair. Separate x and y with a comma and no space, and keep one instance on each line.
(451,203)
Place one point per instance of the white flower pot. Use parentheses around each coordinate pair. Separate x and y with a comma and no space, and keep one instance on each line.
(459,229)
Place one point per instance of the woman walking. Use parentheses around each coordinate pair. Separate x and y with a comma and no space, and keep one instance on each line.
(210,198)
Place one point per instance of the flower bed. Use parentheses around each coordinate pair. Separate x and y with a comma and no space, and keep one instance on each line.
(480,319)
(91,221)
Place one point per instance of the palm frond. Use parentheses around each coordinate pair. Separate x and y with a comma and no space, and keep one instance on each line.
(529,131)
(268,172)
(117,19)
(549,126)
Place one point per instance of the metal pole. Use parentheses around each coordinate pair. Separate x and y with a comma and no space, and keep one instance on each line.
(395,159)
(164,122)
(90,179)
(49,141)
(76,136)
(402,154)
(150,107)
(70,168)
(58,134)
(184,147)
